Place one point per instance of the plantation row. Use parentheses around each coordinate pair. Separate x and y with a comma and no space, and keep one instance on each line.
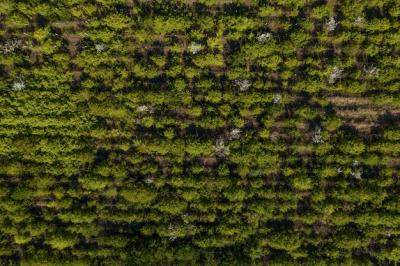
(208,132)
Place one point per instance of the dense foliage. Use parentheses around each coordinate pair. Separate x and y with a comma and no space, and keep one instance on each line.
(209,132)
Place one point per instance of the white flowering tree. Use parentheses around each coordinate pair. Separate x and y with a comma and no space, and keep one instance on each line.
(18,84)
(335,75)
(195,48)
(243,84)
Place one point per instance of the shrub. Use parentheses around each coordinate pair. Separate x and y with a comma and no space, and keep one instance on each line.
(138,195)
(352,147)
(62,241)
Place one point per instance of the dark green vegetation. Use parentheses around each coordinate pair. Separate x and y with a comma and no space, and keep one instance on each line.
(202,132)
